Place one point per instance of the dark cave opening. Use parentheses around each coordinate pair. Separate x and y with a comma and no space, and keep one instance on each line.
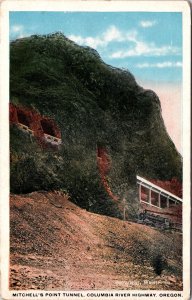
(48,127)
(22,118)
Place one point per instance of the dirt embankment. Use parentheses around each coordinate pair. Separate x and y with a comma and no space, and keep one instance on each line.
(57,245)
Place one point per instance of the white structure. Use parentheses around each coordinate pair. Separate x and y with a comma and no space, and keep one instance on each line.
(52,139)
(153,195)
(25,128)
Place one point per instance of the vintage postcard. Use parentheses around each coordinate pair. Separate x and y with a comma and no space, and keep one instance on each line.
(95,149)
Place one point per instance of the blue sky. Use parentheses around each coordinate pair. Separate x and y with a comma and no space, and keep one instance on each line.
(147,44)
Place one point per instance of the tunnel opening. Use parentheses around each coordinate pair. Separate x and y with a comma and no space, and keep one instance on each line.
(23,118)
(48,127)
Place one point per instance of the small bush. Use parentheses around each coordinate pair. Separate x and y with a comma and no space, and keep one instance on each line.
(159,264)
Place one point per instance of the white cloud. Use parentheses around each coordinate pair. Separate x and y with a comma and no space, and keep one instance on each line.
(17,28)
(136,46)
(89,41)
(112,34)
(141,48)
(166,64)
(146,24)
(17,31)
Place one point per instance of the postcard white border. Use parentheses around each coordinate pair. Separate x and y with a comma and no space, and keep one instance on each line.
(73,5)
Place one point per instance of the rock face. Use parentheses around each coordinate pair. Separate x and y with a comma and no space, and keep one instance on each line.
(95,106)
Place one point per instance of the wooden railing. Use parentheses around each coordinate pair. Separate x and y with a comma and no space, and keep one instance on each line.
(155,195)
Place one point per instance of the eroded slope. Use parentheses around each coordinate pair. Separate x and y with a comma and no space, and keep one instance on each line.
(57,245)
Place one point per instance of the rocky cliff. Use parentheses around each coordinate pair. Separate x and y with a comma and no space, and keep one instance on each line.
(94,106)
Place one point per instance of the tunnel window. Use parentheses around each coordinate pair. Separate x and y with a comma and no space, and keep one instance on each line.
(47,127)
(163,201)
(144,194)
(22,118)
(171,203)
(154,198)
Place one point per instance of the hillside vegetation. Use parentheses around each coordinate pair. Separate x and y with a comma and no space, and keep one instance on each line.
(94,105)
